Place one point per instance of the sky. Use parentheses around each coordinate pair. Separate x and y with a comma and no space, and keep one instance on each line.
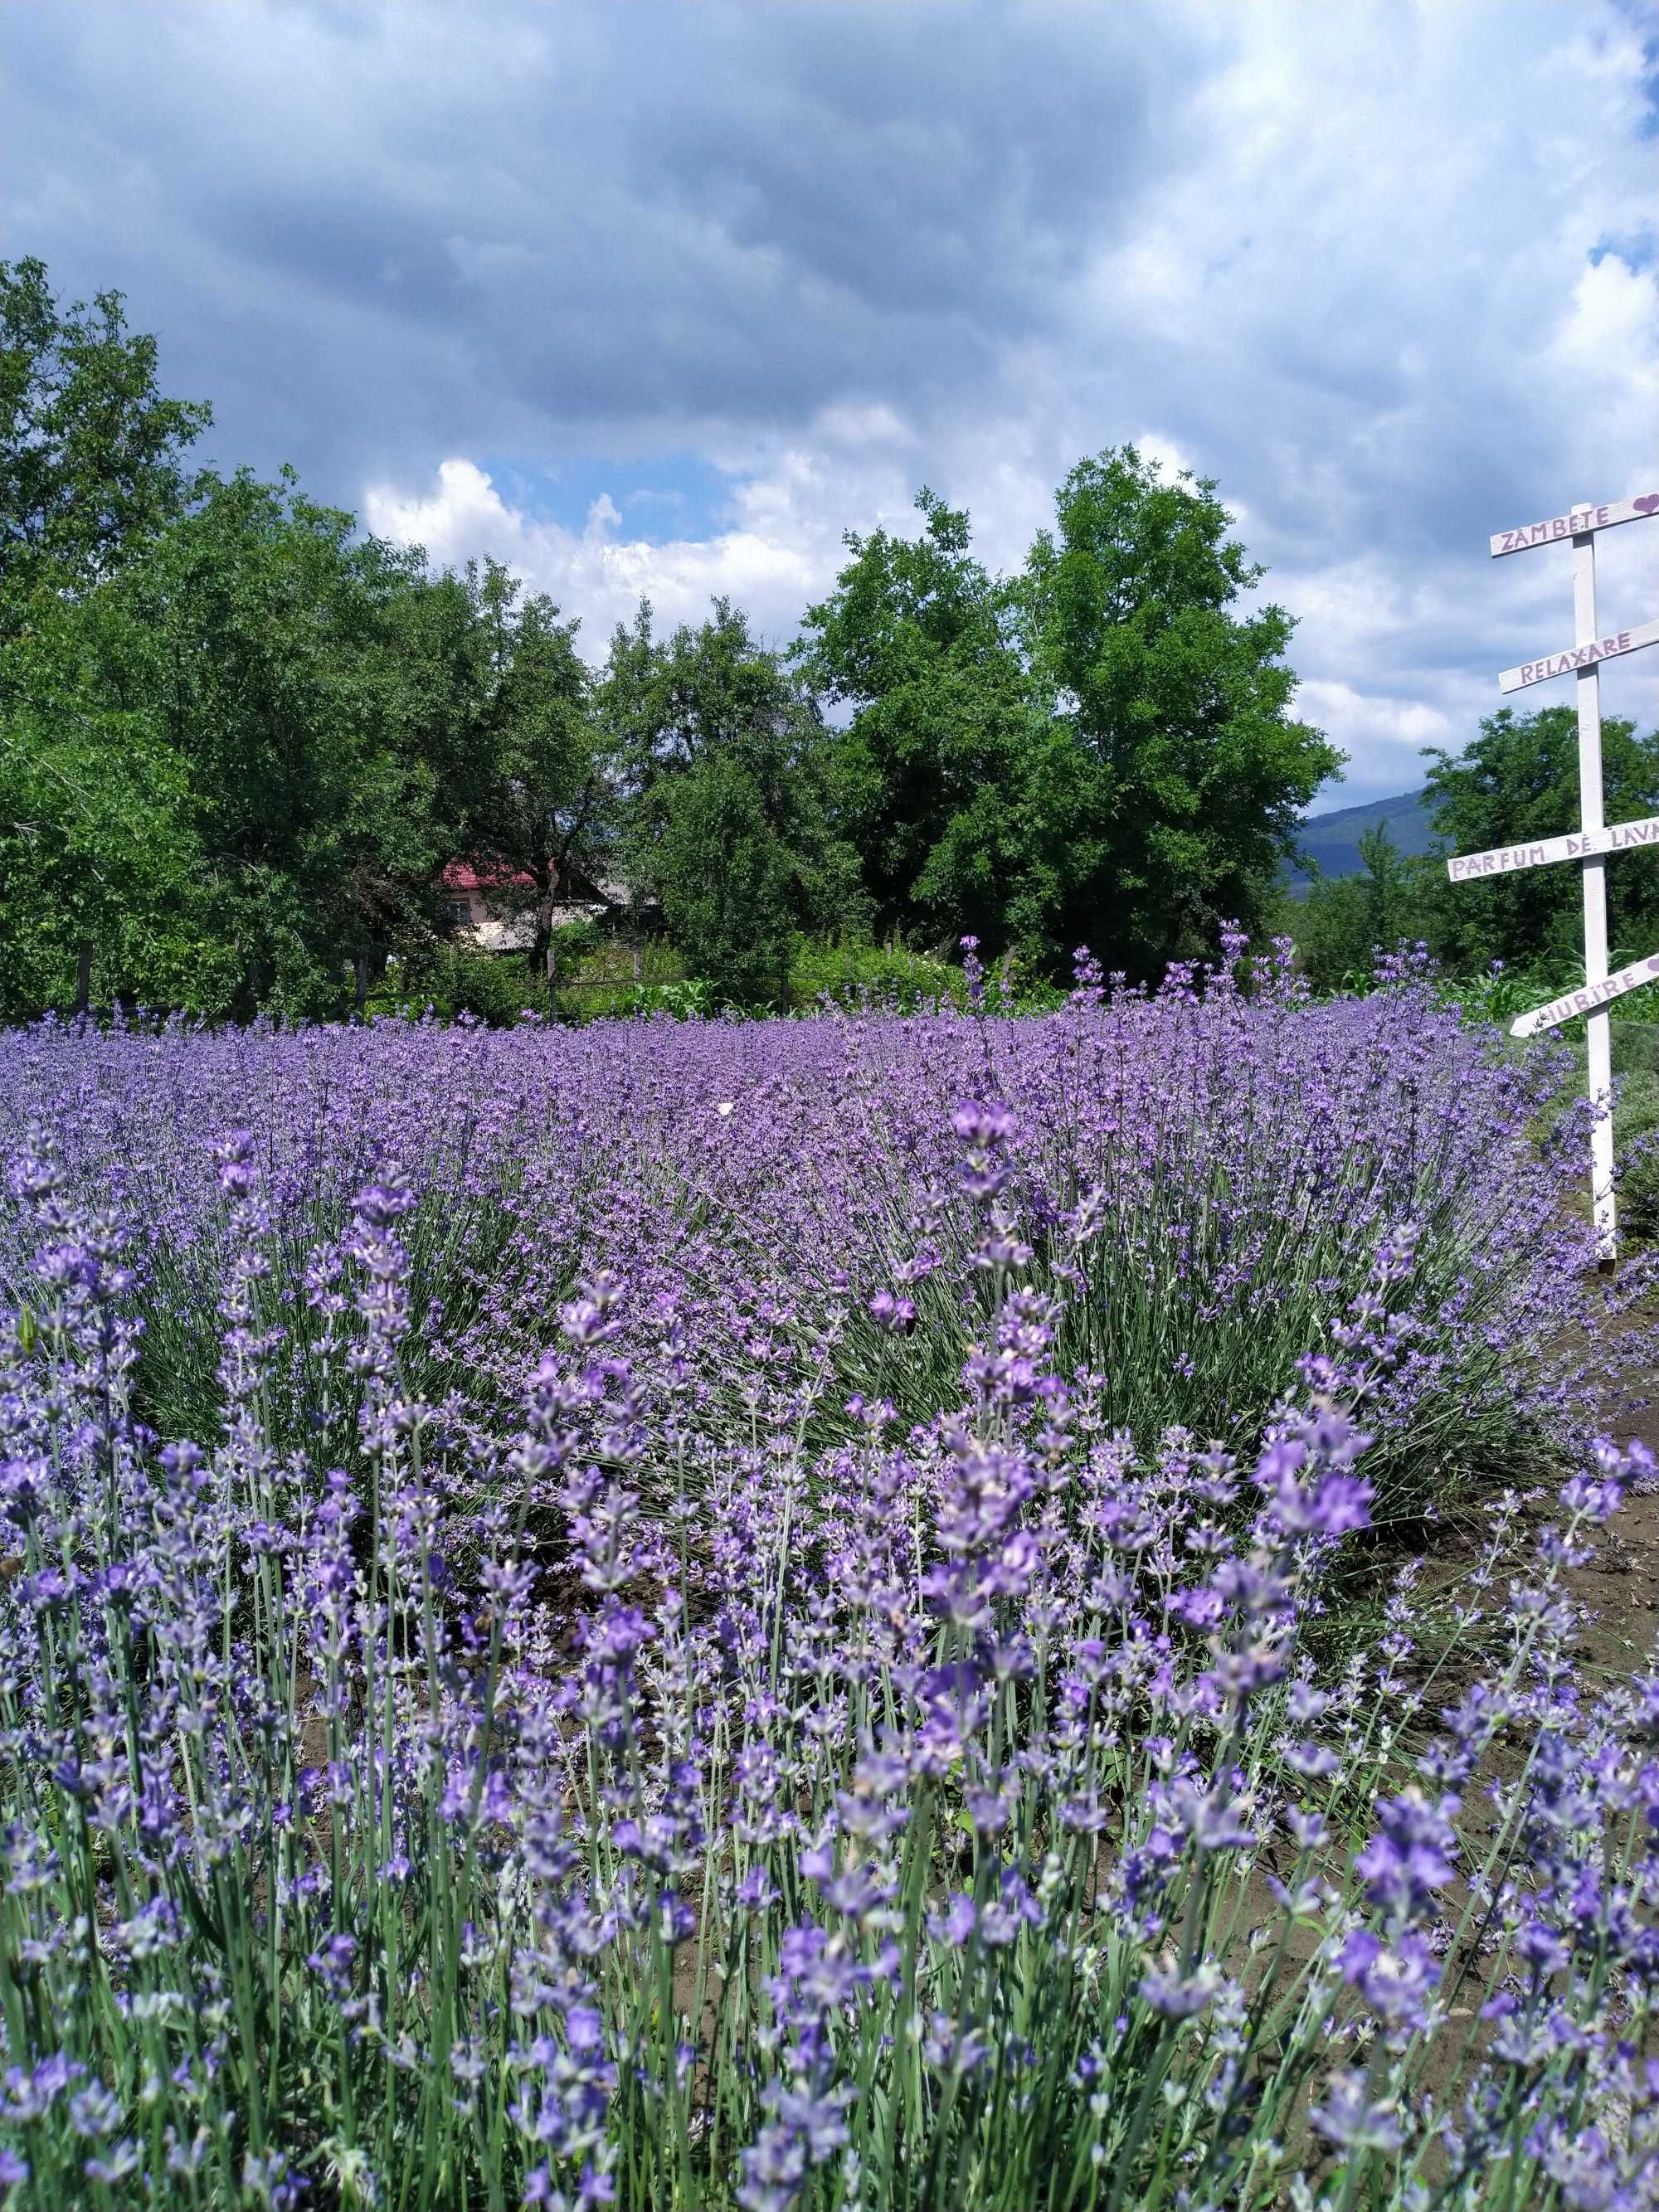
(661,299)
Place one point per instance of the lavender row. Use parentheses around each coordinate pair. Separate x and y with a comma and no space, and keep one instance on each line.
(1238,1159)
(675,1670)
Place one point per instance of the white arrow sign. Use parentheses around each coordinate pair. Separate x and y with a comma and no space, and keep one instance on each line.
(1579,656)
(1578,523)
(1576,845)
(1584,1000)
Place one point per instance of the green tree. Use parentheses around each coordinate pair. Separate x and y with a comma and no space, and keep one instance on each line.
(934,774)
(496,707)
(1517,780)
(102,883)
(260,631)
(1189,775)
(100,866)
(719,756)
(1345,922)
(1099,750)
(1386,886)
(237,740)
(90,449)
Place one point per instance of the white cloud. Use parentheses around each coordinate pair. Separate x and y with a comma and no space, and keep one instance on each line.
(770,566)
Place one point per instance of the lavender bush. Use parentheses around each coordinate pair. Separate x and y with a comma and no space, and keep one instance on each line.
(727,1693)
(1236,1162)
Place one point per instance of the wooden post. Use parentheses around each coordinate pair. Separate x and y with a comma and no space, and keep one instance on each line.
(1598,1025)
(1593,840)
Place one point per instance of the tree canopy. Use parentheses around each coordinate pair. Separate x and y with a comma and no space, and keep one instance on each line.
(719,761)
(241,740)
(91,452)
(1098,749)
(1518,779)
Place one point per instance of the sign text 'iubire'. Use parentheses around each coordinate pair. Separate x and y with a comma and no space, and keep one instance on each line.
(1585,1000)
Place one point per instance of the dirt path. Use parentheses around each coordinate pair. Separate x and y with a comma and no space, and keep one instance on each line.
(1621,1586)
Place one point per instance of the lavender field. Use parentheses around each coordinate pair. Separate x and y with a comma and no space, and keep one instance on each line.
(817,1614)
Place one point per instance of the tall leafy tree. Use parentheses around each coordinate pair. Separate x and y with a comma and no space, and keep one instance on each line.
(238,739)
(91,450)
(260,633)
(498,710)
(99,873)
(103,888)
(719,756)
(1346,921)
(934,771)
(1189,772)
(1100,749)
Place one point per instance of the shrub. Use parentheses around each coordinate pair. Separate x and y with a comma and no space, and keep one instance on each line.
(891,978)
(1243,1159)
(614,979)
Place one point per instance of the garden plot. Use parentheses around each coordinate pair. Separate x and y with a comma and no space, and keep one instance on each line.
(739,1614)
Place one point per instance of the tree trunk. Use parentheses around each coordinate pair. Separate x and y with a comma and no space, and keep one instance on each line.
(83,980)
(542,950)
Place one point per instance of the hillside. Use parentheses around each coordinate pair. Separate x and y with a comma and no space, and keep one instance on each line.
(1333,839)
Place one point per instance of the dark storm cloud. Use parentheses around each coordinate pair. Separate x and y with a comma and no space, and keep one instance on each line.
(366,232)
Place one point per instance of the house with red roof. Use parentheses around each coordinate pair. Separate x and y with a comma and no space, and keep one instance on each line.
(491,907)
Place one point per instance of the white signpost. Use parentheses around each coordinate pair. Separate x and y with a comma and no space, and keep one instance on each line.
(1579,656)
(1590,844)
(1582,1001)
(1576,845)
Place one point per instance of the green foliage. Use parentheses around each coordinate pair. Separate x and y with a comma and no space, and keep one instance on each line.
(90,449)
(1519,780)
(496,700)
(891,976)
(101,861)
(728,824)
(1190,776)
(1512,941)
(932,776)
(494,987)
(1345,922)
(607,978)
(239,740)
(574,940)
(101,869)
(259,632)
(1098,750)
(724,877)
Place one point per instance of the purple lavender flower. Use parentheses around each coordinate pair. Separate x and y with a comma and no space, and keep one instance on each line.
(1413,1854)
(1352,2119)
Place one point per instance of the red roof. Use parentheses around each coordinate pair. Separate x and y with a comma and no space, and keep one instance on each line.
(463,876)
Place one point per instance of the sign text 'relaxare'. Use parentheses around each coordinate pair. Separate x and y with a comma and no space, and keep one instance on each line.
(1579,656)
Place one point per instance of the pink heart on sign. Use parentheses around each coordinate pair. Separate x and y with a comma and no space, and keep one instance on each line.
(1646,505)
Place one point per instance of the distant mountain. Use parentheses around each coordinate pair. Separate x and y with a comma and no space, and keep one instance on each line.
(1333,840)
